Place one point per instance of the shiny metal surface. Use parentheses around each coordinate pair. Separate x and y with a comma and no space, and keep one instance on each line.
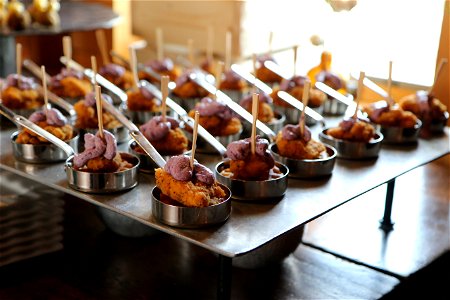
(187,104)
(103,183)
(203,146)
(307,168)
(146,162)
(353,150)
(42,153)
(141,116)
(235,95)
(255,223)
(190,217)
(124,225)
(334,107)
(437,126)
(246,190)
(399,135)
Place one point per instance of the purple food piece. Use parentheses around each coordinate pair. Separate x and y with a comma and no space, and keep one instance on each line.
(203,174)
(156,129)
(95,147)
(161,65)
(247,101)
(292,132)
(231,77)
(146,93)
(179,167)
(208,107)
(19,81)
(113,70)
(65,72)
(287,85)
(53,117)
(241,150)
(331,79)
(378,108)
(89,100)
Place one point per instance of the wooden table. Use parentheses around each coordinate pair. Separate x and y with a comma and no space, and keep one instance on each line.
(252,225)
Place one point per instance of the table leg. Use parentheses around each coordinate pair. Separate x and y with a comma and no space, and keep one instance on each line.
(386,224)
(224,278)
(7,55)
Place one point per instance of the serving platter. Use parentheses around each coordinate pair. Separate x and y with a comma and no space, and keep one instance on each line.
(255,223)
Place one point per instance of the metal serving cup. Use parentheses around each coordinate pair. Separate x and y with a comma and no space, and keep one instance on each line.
(41,153)
(248,190)
(204,147)
(190,217)
(271,253)
(103,183)
(307,168)
(235,95)
(399,135)
(141,116)
(123,225)
(333,107)
(437,125)
(353,150)
(147,164)
(293,114)
(187,103)
(275,125)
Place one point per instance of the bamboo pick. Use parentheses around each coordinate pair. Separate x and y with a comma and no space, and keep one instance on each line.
(270,43)
(159,44)
(194,139)
(67,49)
(254,70)
(19,59)
(98,101)
(442,62)
(102,45)
(44,86)
(359,92)
(164,92)
(191,51)
(389,85)
(210,44)
(255,106)
(295,59)
(94,69)
(219,71)
(228,39)
(305,100)
(133,66)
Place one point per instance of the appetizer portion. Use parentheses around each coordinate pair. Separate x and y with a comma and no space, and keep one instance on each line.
(247,166)
(87,113)
(425,106)
(216,117)
(163,66)
(166,136)
(141,99)
(19,92)
(192,187)
(294,87)
(51,120)
(353,130)
(231,81)
(265,111)
(382,113)
(263,73)
(70,83)
(292,143)
(187,88)
(118,75)
(100,155)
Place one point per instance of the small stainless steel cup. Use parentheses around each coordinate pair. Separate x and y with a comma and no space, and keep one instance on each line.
(399,135)
(40,153)
(103,183)
(254,190)
(333,107)
(204,147)
(141,116)
(275,125)
(353,150)
(307,168)
(293,115)
(190,217)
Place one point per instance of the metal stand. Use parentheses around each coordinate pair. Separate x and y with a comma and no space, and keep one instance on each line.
(224,278)
(386,224)
(7,55)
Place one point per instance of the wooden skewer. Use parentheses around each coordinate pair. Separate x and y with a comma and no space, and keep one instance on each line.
(305,99)
(442,62)
(359,92)
(255,106)
(194,139)
(210,44)
(98,101)
(219,71)
(44,86)
(389,85)
(19,59)
(270,42)
(191,51)
(164,92)
(254,69)
(94,69)
(159,44)
(102,45)
(67,49)
(295,59)
(228,39)
(133,66)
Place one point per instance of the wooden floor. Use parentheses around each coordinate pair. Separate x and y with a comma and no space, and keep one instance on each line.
(98,264)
